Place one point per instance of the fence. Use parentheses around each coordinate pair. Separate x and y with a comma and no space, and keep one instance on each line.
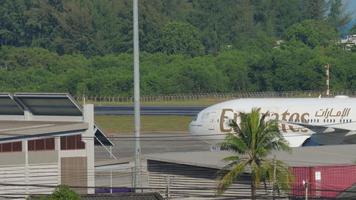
(211,96)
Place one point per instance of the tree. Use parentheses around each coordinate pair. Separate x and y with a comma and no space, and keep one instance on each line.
(314,9)
(297,67)
(286,13)
(312,33)
(337,16)
(63,192)
(194,75)
(234,65)
(353,30)
(12,22)
(252,141)
(181,38)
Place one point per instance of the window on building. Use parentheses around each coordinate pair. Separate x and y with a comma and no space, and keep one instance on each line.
(11,147)
(41,144)
(72,142)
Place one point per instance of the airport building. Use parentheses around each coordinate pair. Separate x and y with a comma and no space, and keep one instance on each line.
(46,140)
(330,172)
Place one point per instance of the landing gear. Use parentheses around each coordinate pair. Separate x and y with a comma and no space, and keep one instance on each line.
(215,148)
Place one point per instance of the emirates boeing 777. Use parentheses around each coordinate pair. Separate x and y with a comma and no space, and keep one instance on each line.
(302,121)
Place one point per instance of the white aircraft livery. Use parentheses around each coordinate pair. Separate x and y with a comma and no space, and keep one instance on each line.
(302,121)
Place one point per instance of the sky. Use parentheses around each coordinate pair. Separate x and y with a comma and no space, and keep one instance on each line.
(350,6)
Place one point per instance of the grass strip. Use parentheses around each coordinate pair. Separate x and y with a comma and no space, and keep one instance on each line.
(113,124)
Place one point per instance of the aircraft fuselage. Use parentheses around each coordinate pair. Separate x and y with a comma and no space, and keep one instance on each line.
(299,118)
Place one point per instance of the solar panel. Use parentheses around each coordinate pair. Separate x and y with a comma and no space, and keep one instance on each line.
(8,106)
(50,104)
(99,135)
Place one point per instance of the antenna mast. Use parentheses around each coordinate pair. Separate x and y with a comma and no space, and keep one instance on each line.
(327,67)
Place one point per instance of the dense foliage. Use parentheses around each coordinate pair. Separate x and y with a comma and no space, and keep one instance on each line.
(61,192)
(188,46)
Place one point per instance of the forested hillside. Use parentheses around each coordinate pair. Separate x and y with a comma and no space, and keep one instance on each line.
(187,46)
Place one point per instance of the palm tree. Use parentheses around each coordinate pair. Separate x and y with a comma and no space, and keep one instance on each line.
(252,141)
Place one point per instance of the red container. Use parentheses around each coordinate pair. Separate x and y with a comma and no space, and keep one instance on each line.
(323,181)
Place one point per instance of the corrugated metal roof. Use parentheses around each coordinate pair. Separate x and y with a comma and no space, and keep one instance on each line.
(10,130)
(199,158)
(124,196)
(349,193)
(117,196)
(302,156)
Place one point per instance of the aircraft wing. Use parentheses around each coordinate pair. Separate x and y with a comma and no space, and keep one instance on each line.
(326,135)
(320,129)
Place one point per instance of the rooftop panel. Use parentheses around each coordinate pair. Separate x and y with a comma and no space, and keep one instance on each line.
(8,106)
(43,104)
(47,104)
(10,130)
(100,136)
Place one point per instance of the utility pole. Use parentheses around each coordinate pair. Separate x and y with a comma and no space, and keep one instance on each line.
(306,185)
(327,67)
(168,180)
(137,181)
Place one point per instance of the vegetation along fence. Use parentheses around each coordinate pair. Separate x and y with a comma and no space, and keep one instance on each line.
(213,96)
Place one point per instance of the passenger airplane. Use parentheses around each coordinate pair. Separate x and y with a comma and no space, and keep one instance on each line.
(302,121)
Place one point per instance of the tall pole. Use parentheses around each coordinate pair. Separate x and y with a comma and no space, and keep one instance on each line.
(306,190)
(306,185)
(137,181)
(327,67)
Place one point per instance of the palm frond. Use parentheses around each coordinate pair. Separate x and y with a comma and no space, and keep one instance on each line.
(254,139)
(231,158)
(229,177)
(233,143)
(284,176)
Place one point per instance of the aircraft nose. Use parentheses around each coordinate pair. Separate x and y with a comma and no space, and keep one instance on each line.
(194,128)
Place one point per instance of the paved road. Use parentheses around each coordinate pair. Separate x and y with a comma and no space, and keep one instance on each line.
(149,110)
(153,143)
